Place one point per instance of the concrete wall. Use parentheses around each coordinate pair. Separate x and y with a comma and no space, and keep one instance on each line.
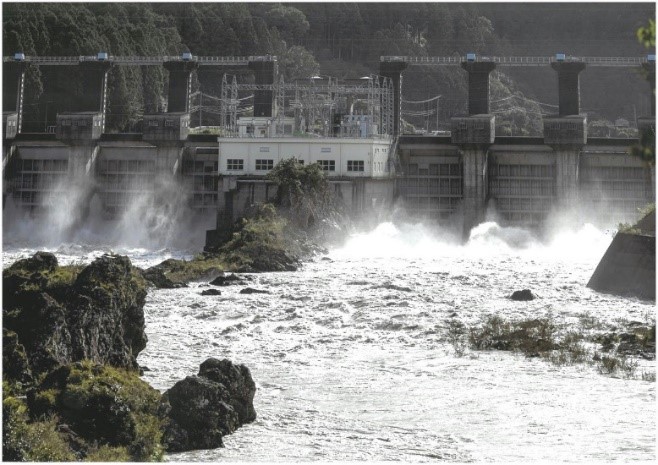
(340,157)
(523,179)
(628,267)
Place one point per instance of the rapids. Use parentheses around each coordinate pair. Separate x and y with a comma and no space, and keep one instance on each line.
(351,360)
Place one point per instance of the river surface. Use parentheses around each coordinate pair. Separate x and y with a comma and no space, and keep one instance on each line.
(351,361)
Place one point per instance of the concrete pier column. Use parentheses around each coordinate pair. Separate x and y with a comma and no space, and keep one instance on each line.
(180,85)
(13,90)
(568,78)
(474,185)
(95,88)
(265,74)
(566,135)
(393,70)
(478,86)
(650,73)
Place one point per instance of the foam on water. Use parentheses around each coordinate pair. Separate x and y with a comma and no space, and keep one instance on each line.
(351,360)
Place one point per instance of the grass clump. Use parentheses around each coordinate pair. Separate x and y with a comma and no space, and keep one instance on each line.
(25,441)
(531,337)
(544,338)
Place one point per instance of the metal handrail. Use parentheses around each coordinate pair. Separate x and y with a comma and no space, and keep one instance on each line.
(141,60)
(519,61)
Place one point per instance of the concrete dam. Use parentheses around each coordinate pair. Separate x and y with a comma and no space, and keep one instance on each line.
(351,128)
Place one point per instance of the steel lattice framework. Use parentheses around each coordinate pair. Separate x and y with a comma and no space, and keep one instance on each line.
(229,104)
(316,100)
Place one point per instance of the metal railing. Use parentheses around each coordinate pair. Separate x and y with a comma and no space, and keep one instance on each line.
(141,60)
(519,61)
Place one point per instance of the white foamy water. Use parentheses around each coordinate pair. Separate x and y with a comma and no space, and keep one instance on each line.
(351,362)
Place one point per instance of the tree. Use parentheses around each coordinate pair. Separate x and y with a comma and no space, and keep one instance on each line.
(302,190)
(646,149)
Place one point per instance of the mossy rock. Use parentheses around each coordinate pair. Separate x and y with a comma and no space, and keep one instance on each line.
(66,314)
(15,365)
(26,441)
(104,406)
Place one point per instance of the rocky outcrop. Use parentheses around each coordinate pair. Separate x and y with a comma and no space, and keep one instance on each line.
(204,408)
(523,295)
(157,278)
(71,336)
(61,316)
(101,406)
(14,360)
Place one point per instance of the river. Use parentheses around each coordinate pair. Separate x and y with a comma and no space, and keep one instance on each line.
(351,361)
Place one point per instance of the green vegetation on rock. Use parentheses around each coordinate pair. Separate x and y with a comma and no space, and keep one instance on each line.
(84,411)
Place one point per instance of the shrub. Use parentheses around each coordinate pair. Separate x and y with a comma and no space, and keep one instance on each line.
(23,441)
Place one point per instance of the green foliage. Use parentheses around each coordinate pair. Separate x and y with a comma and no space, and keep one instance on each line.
(297,63)
(647,34)
(289,21)
(85,29)
(302,190)
(646,149)
(107,453)
(24,441)
(259,243)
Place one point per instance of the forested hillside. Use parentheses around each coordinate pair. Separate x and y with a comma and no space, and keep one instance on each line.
(339,39)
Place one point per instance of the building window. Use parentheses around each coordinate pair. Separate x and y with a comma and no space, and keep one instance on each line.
(355,165)
(66,122)
(153,123)
(169,123)
(262,165)
(234,164)
(264,149)
(327,165)
(325,149)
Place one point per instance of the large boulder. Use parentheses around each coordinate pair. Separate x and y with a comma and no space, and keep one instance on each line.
(204,408)
(101,406)
(61,315)
(522,295)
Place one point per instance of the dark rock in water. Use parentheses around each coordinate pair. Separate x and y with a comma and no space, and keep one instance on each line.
(523,295)
(227,280)
(157,278)
(251,290)
(202,409)
(211,292)
(326,259)
(98,316)
(40,261)
(237,379)
(393,287)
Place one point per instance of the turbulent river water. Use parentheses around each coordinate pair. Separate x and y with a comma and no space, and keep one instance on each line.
(351,359)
